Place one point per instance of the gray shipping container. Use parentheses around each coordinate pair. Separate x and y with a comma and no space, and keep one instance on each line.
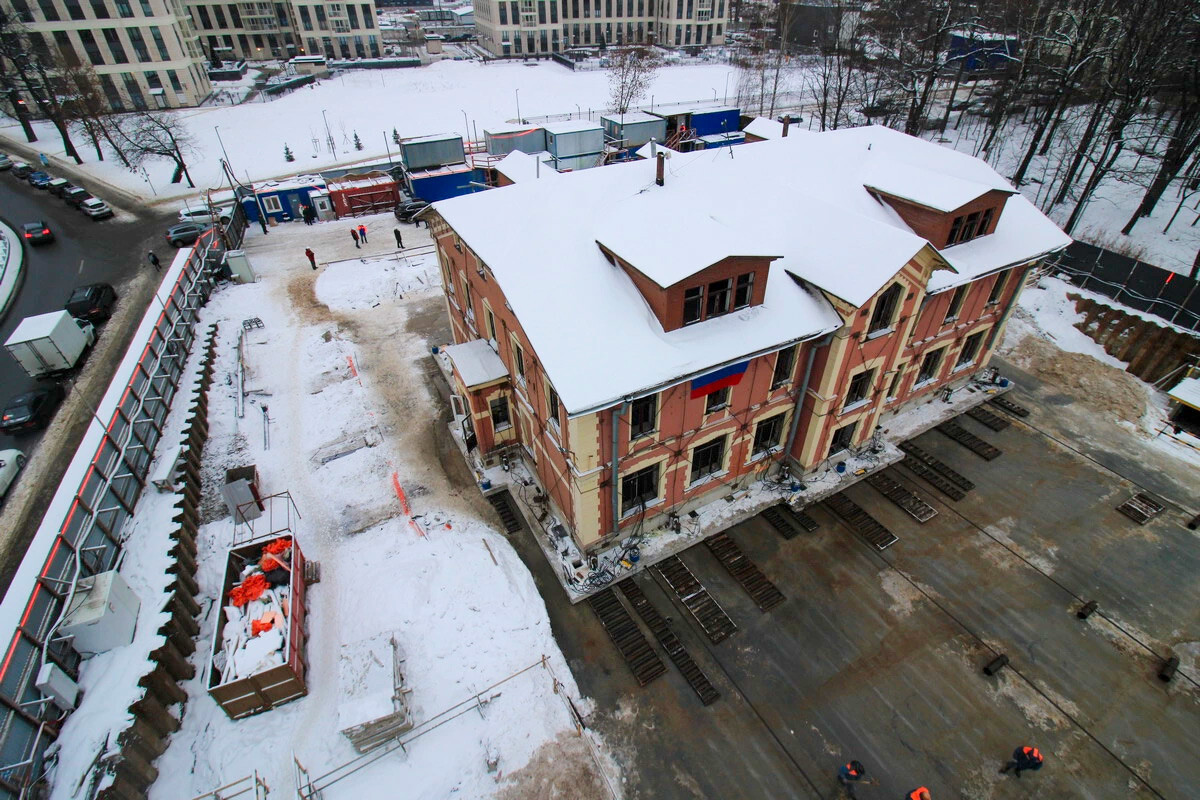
(635,129)
(502,141)
(432,151)
(574,138)
(575,163)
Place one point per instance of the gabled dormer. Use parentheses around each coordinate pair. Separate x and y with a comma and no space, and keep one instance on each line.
(942,209)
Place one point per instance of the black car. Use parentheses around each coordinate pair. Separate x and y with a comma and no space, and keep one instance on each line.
(93,302)
(185,233)
(406,212)
(37,232)
(75,196)
(32,410)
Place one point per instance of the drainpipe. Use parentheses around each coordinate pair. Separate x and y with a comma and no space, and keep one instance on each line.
(795,426)
(617,413)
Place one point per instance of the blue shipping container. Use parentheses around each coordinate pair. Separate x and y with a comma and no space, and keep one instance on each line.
(718,120)
(442,185)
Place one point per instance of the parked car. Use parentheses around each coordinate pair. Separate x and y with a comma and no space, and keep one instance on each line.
(56,186)
(406,212)
(5,162)
(92,302)
(39,179)
(20,169)
(11,462)
(37,232)
(31,411)
(95,208)
(75,196)
(185,233)
(205,215)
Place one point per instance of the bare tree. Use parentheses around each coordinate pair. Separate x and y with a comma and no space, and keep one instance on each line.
(146,135)
(631,70)
(28,64)
(86,108)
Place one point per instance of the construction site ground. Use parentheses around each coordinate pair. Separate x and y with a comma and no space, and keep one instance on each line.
(879,656)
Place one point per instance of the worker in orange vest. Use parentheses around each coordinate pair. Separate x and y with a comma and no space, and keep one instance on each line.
(920,793)
(851,774)
(1025,757)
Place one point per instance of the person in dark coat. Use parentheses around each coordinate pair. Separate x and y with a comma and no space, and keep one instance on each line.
(312,257)
(399,239)
(1024,758)
(354,235)
(154,262)
(362,233)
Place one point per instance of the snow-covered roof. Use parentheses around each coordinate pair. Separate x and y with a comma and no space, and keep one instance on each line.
(1187,391)
(631,118)
(800,198)
(722,138)
(657,147)
(764,128)
(286,184)
(476,362)
(437,137)
(929,188)
(519,166)
(358,181)
(671,109)
(571,126)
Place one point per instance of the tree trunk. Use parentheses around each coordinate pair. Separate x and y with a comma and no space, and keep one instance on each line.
(1081,151)
(1038,133)
(962,66)
(1179,151)
(1103,165)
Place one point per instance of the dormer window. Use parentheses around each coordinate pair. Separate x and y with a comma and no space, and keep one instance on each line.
(718,298)
(744,290)
(970,226)
(693,303)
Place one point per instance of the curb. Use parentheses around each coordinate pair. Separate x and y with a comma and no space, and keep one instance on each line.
(67,168)
(12,260)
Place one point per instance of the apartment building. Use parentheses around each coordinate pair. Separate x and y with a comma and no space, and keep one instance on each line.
(647,336)
(538,27)
(145,52)
(255,31)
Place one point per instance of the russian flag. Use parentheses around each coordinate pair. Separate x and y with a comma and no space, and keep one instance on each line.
(715,381)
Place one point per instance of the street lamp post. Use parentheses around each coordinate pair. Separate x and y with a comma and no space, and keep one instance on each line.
(518,96)
(466,125)
(328,135)
(217,129)
(727,87)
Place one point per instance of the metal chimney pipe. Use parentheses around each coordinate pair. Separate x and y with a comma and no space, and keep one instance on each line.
(658,177)
(786,122)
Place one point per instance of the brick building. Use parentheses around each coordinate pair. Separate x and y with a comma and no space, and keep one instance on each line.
(648,341)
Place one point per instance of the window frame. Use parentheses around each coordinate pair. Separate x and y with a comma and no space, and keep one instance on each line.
(631,502)
(553,406)
(985,222)
(697,472)
(507,422)
(955,230)
(956,304)
(635,433)
(858,389)
(839,443)
(756,446)
(937,354)
(776,379)
(998,287)
(271,204)
(743,285)
(518,357)
(894,387)
(698,299)
(715,291)
(970,226)
(975,340)
(723,393)
(878,326)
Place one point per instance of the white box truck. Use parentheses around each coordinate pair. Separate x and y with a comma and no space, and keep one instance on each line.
(50,344)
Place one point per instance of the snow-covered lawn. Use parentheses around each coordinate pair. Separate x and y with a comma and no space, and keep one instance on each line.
(337,369)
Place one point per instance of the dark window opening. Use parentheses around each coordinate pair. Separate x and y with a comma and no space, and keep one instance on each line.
(969,227)
(717,400)
(842,438)
(894,389)
(784,363)
(552,405)
(693,300)
(956,302)
(885,309)
(500,419)
(860,387)
(718,298)
(955,229)
(970,349)
(744,291)
(767,434)
(639,488)
(929,366)
(985,224)
(708,458)
(643,416)
(997,288)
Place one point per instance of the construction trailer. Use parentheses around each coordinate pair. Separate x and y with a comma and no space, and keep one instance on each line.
(427,152)
(633,129)
(370,193)
(503,140)
(575,144)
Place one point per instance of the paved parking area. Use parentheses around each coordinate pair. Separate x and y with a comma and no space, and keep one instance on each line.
(878,656)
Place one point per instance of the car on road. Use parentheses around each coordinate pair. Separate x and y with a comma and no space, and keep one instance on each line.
(37,232)
(75,196)
(32,410)
(206,215)
(185,233)
(5,162)
(39,179)
(11,462)
(406,212)
(95,208)
(20,169)
(92,302)
(56,186)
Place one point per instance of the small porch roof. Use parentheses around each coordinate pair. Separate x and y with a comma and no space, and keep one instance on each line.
(476,363)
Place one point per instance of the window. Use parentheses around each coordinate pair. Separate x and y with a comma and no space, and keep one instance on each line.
(161,46)
(63,43)
(503,13)
(139,45)
(643,416)
(859,389)
(784,363)
(842,438)
(74,10)
(99,9)
(970,350)
(929,366)
(305,19)
(175,83)
(552,405)
(744,291)
(716,400)
(997,289)
(518,356)
(718,298)
(767,434)
(894,387)
(500,419)
(368,17)
(956,302)
(271,204)
(91,48)
(491,322)
(49,11)
(639,488)
(885,310)
(708,458)
(968,229)
(219,13)
(470,301)
(693,300)
(955,229)
(205,21)
(985,224)
(126,10)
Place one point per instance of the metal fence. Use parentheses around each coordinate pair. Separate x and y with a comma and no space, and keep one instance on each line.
(82,530)
(1145,287)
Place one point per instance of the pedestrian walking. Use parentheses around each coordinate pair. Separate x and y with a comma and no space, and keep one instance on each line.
(1024,758)
(312,257)
(354,235)
(852,774)
(362,233)
(920,793)
(399,239)
(154,262)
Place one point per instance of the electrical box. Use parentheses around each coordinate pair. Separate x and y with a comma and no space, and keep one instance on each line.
(239,266)
(58,686)
(102,615)
(241,493)
(166,475)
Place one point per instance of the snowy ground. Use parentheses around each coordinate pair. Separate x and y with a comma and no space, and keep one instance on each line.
(337,366)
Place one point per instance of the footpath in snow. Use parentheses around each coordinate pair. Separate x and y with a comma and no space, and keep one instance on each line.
(339,414)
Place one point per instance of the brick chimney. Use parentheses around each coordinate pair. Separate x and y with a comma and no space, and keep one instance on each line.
(786,122)
(658,177)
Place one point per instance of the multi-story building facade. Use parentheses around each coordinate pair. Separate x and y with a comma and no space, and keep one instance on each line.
(538,27)
(255,31)
(650,342)
(144,52)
